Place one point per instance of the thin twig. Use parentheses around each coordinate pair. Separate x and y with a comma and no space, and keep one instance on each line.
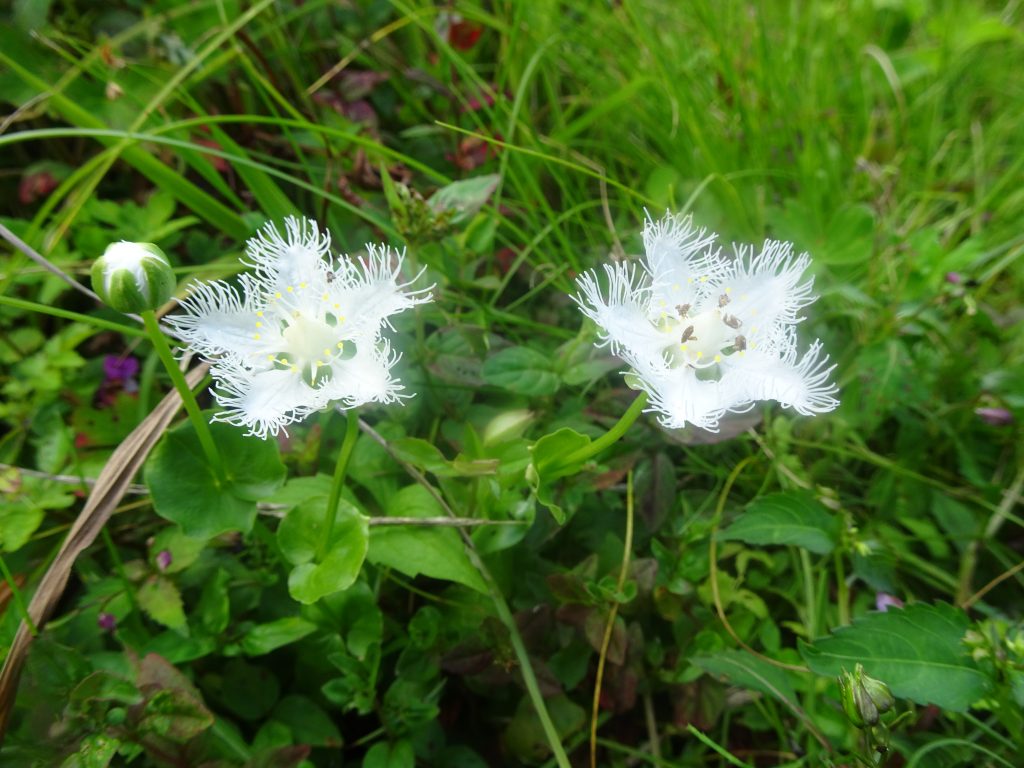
(609,627)
(46,264)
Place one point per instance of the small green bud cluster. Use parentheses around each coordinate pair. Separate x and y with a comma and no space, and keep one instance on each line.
(864,698)
(133,277)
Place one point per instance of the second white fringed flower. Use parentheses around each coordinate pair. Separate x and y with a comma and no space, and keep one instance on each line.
(302,332)
(706,335)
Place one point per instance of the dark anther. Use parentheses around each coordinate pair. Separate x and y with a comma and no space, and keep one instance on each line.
(687,335)
(682,309)
(723,299)
(732,321)
(739,343)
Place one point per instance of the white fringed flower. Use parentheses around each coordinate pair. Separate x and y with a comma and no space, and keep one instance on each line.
(706,335)
(300,333)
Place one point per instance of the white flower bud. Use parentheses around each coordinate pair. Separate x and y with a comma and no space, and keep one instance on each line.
(133,277)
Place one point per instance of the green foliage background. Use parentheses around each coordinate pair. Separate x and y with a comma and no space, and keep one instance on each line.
(885,137)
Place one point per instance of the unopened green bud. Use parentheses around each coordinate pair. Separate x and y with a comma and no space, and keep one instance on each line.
(864,698)
(133,277)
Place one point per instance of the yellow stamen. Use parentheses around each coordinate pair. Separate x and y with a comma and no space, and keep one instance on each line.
(256,336)
(718,358)
(290,289)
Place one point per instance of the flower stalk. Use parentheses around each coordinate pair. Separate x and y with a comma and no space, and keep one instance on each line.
(195,415)
(338,482)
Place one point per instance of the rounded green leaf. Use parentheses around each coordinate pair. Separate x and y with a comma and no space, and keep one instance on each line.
(299,537)
(187,492)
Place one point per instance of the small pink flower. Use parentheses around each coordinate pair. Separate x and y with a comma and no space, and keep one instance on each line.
(997,417)
(164,559)
(107,622)
(883,602)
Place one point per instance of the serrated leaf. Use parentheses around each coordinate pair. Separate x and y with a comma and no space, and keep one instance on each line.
(917,651)
(522,370)
(161,600)
(793,517)
(413,550)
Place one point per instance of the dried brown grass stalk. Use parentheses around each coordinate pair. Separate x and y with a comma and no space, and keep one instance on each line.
(110,487)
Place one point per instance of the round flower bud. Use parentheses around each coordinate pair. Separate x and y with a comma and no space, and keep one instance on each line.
(133,277)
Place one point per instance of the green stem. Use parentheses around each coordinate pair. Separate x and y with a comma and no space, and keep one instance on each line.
(195,415)
(842,590)
(612,435)
(525,667)
(609,627)
(31,306)
(340,468)
(19,601)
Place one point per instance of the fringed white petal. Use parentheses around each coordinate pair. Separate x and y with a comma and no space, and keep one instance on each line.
(217,319)
(803,386)
(369,291)
(764,290)
(622,314)
(682,260)
(264,402)
(291,260)
(365,378)
(680,398)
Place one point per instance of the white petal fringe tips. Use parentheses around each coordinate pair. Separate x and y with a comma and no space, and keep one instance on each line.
(707,335)
(300,333)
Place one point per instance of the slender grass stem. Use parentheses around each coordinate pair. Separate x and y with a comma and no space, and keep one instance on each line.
(338,482)
(500,607)
(195,415)
(609,627)
(46,309)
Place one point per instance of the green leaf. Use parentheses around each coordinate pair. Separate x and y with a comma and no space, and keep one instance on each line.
(184,550)
(300,535)
(525,737)
(428,457)
(186,490)
(159,598)
(917,651)
(248,690)
(308,723)
(213,611)
(794,517)
(385,755)
(464,198)
(264,638)
(413,550)
(522,370)
(748,671)
(95,751)
(550,461)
